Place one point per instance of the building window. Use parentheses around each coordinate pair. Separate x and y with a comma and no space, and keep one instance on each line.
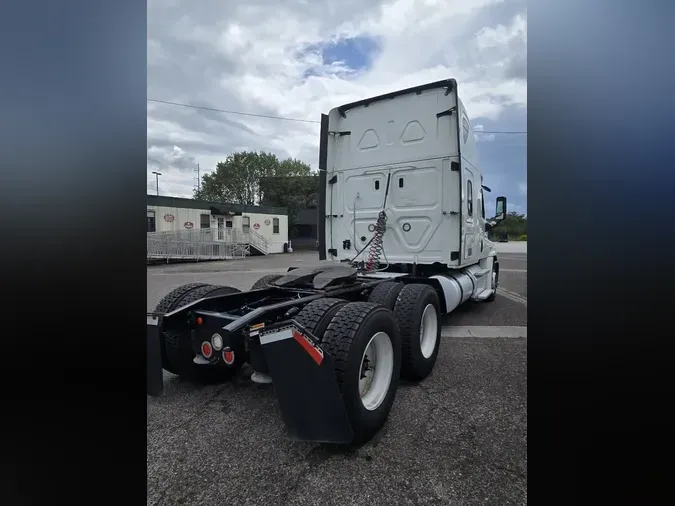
(246,223)
(275,225)
(205,221)
(228,224)
(151,221)
(469,198)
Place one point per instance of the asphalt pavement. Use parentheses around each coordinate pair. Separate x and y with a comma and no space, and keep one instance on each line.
(458,437)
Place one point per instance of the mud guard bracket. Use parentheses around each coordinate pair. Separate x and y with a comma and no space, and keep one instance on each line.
(305,384)
(154,376)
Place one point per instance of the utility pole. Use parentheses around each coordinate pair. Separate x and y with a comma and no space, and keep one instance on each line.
(157,174)
(199,179)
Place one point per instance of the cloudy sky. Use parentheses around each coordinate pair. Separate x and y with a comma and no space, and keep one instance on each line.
(299,58)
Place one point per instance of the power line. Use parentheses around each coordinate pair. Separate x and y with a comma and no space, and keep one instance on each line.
(231,112)
(283,118)
(524,132)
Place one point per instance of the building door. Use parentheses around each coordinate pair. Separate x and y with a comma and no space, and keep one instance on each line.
(221,229)
(246,224)
(151,221)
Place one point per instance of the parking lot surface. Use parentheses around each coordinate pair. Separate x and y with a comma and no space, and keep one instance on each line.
(458,437)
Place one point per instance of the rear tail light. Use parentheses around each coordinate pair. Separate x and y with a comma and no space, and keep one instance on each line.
(207,350)
(228,356)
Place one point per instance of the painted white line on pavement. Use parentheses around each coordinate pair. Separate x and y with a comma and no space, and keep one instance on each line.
(484,332)
(211,273)
(513,296)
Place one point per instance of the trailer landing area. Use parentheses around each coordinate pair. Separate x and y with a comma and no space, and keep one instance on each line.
(459,437)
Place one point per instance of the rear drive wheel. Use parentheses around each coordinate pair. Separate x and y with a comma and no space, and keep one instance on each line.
(169,301)
(207,291)
(418,313)
(265,281)
(316,315)
(363,341)
(168,304)
(179,347)
(386,293)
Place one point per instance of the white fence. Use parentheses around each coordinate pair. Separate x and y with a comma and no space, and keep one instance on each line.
(204,244)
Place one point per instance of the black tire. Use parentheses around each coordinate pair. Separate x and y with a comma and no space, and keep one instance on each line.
(316,315)
(207,291)
(386,293)
(166,305)
(168,302)
(345,340)
(179,352)
(493,296)
(265,281)
(409,308)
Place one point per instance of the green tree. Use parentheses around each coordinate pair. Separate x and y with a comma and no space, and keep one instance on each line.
(294,192)
(513,224)
(254,178)
(237,179)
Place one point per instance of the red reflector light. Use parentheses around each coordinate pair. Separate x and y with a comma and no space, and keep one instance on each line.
(228,357)
(199,320)
(206,349)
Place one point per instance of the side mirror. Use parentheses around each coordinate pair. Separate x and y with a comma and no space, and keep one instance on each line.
(501,208)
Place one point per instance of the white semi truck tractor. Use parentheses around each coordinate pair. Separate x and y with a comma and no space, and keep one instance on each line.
(402,217)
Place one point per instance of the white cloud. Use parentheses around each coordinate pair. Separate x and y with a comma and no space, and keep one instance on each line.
(482,137)
(522,188)
(501,35)
(261,57)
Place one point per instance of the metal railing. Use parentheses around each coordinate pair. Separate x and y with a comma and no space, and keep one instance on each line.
(203,244)
(258,242)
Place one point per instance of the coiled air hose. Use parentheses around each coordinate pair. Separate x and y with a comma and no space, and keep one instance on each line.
(376,246)
(376,241)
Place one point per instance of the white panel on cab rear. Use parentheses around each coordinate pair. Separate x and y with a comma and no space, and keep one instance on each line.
(402,147)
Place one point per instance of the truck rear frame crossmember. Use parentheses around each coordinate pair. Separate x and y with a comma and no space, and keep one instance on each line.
(237,312)
(261,323)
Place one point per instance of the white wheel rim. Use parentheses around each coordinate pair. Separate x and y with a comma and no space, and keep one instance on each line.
(375,373)
(428,330)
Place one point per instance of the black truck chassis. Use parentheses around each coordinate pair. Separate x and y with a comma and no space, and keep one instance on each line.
(259,324)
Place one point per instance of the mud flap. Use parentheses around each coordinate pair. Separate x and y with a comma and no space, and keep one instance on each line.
(305,385)
(154,375)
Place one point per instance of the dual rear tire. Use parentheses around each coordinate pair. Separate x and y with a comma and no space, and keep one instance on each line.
(364,343)
(395,334)
(417,310)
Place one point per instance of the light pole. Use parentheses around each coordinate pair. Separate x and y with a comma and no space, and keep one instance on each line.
(157,174)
